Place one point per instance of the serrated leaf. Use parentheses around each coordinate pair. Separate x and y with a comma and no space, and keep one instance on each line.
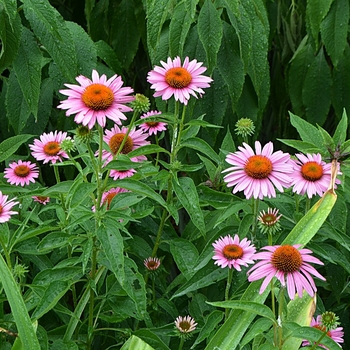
(334,30)
(210,32)
(340,132)
(10,145)
(107,54)
(52,31)
(301,146)
(27,67)
(316,94)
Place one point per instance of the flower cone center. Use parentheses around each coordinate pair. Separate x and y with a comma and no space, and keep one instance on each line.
(1,209)
(22,170)
(109,197)
(116,141)
(178,78)
(42,198)
(287,259)
(151,124)
(98,97)
(311,171)
(152,265)
(258,167)
(232,252)
(185,326)
(269,219)
(52,148)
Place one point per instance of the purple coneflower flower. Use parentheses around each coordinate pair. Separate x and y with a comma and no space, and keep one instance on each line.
(21,173)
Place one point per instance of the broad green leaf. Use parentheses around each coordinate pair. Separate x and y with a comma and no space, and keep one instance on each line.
(255,308)
(53,33)
(334,30)
(54,240)
(135,343)
(316,11)
(26,331)
(27,67)
(60,188)
(210,32)
(59,344)
(185,255)
(10,145)
(107,54)
(148,149)
(260,326)
(151,338)
(201,146)
(186,193)
(180,24)
(10,33)
(339,136)
(316,94)
(302,146)
(51,296)
(80,193)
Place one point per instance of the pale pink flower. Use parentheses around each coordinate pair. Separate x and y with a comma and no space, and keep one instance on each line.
(232,252)
(290,265)
(94,100)
(41,199)
(152,126)
(256,173)
(180,81)
(5,208)
(185,324)
(108,196)
(336,334)
(21,173)
(114,139)
(311,175)
(48,148)
(151,263)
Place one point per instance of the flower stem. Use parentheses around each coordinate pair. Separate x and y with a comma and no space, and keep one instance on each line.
(255,209)
(227,290)
(182,341)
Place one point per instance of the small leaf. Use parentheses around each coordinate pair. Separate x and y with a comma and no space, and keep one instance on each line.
(10,145)
(339,136)
(135,343)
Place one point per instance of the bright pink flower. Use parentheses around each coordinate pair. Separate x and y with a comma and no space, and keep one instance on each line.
(5,208)
(21,173)
(41,199)
(108,196)
(96,99)
(48,148)
(152,126)
(114,139)
(233,253)
(257,173)
(180,81)
(289,263)
(311,175)
(336,334)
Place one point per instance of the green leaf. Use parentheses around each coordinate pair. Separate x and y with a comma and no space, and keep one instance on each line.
(107,54)
(19,311)
(148,149)
(53,33)
(151,338)
(260,326)
(201,146)
(210,32)
(9,146)
(135,343)
(255,308)
(334,30)
(301,146)
(186,192)
(52,294)
(27,67)
(54,240)
(185,255)
(80,193)
(316,94)
(339,136)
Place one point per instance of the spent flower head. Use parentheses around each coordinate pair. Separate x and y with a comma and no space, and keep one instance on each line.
(152,263)
(141,103)
(83,134)
(269,222)
(244,127)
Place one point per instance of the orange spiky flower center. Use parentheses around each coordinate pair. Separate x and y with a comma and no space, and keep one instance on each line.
(178,77)
(22,170)
(116,141)
(232,252)
(258,167)
(312,171)
(98,97)
(287,259)
(52,148)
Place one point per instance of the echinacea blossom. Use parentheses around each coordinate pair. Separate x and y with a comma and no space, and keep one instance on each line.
(232,252)
(151,263)
(97,99)
(5,208)
(269,222)
(114,139)
(21,173)
(41,199)
(152,126)
(180,81)
(108,196)
(311,175)
(185,324)
(256,173)
(291,267)
(336,334)
(48,148)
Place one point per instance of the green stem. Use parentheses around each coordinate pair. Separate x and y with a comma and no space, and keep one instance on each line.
(157,156)
(255,207)
(182,341)
(318,342)
(307,204)
(227,290)
(280,318)
(180,128)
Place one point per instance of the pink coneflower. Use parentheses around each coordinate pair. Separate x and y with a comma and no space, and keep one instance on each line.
(233,253)
(185,324)
(108,196)
(21,173)
(152,126)
(41,199)
(152,264)
(180,81)
(311,175)
(289,263)
(336,334)
(5,208)
(96,99)
(114,139)
(48,148)
(257,173)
